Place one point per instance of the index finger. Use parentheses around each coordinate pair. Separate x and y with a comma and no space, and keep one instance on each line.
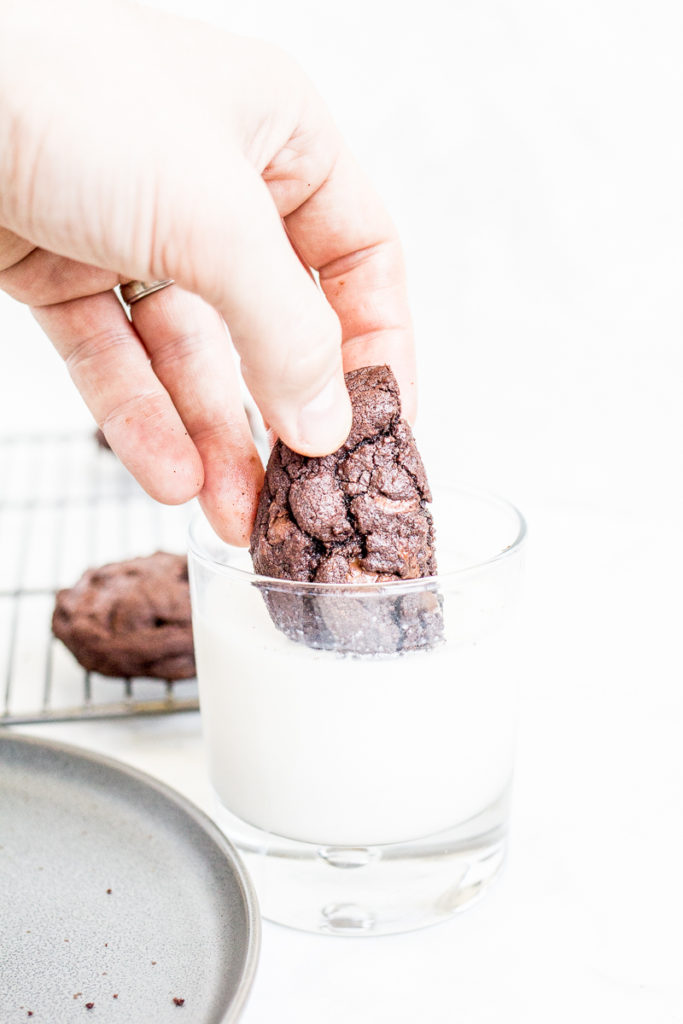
(345,233)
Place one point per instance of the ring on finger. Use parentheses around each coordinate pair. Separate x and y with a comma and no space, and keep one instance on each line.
(133,291)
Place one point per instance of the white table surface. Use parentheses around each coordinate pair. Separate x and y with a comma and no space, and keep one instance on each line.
(531,154)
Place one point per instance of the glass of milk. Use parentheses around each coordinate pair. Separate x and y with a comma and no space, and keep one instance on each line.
(361,737)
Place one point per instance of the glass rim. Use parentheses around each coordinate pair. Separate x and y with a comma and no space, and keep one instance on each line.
(199,552)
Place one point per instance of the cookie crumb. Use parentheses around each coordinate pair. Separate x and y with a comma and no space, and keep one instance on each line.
(77,995)
(115,996)
(178,1002)
(154,963)
(108,892)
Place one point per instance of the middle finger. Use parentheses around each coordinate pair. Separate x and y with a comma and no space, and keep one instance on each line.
(191,355)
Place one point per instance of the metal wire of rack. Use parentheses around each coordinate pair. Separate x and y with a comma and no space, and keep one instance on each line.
(65,505)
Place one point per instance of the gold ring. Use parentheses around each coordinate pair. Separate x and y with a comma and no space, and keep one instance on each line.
(133,291)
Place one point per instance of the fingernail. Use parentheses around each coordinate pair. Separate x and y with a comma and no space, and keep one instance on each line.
(325,421)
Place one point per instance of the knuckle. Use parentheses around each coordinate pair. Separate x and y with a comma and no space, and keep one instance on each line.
(142,406)
(42,278)
(19,280)
(178,348)
(96,346)
(13,250)
(212,435)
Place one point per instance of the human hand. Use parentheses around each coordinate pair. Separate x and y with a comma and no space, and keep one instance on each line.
(136,145)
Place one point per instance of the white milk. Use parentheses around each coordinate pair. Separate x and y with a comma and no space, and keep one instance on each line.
(352,751)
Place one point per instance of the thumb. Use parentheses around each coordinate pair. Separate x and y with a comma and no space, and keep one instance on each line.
(287,335)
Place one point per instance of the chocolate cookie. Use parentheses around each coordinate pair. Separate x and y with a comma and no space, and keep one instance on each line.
(359,515)
(130,618)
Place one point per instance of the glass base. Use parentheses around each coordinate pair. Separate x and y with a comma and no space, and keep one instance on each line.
(371,890)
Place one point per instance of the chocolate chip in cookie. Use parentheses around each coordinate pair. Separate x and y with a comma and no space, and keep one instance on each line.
(130,618)
(359,515)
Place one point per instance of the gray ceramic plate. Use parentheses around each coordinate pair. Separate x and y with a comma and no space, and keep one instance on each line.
(115,891)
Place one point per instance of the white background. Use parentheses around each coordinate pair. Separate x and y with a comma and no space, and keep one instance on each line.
(531,154)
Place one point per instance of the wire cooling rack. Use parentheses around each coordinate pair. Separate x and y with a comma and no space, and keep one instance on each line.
(65,505)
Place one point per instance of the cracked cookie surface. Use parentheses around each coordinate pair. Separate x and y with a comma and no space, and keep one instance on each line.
(359,515)
(130,618)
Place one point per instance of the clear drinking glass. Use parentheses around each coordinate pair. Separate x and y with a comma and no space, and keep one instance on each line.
(361,737)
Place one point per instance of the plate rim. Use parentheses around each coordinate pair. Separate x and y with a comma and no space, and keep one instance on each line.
(202,819)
